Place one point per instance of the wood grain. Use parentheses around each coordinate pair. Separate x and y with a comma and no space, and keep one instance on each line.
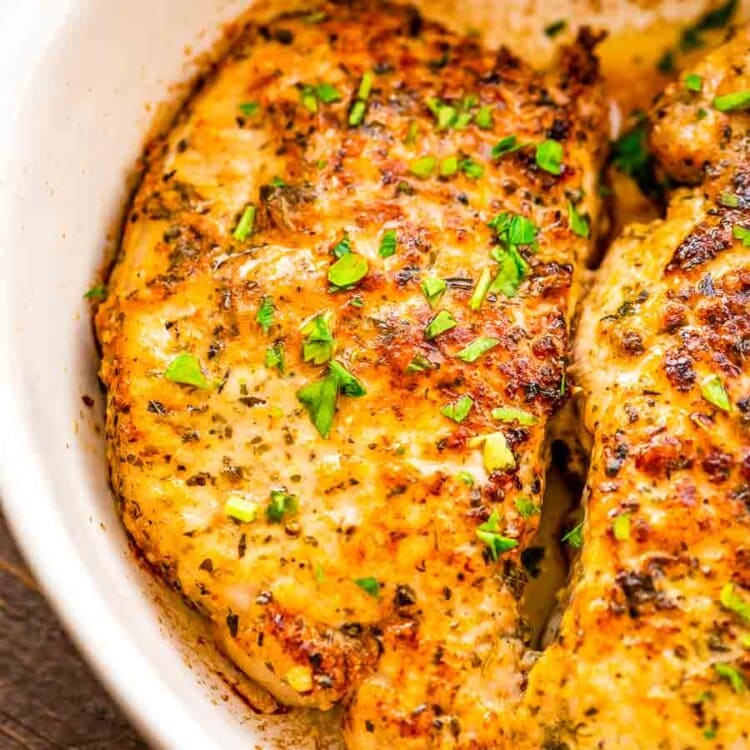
(49,699)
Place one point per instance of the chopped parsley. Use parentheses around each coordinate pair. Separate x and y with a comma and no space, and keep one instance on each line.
(419,363)
(549,156)
(575,536)
(359,107)
(96,292)
(449,166)
(471,169)
(348,270)
(476,348)
(621,527)
(369,585)
(512,269)
(240,509)
(729,200)
(489,533)
(526,507)
(579,224)
(440,323)
(514,229)
(466,477)
(320,396)
(388,243)
(349,384)
(327,93)
(342,247)
(433,289)
(732,675)
(693,82)
(319,573)
(741,233)
(631,157)
(458,410)
(275,357)
(555,28)
(186,370)
(423,167)
(481,289)
(264,316)
(732,102)
(318,345)
(734,602)
(483,118)
(509,414)
(249,108)
(712,389)
(281,504)
(506,145)
(246,224)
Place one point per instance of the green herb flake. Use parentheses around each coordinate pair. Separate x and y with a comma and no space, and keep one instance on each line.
(349,384)
(249,108)
(712,389)
(433,289)
(419,363)
(476,348)
(732,102)
(264,316)
(483,118)
(411,133)
(526,507)
(701,114)
(388,243)
(555,28)
(277,182)
(365,86)
(481,289)
(732,601)
(693,82)
(342,247)
(96,292)
(240,509)
(549,156)
(423,167)
(510,414)
(319,399)
(579,224)
(186,370)
(357,113)
(621,527)
(458,410)
(275,357)
(281,505)
(369,585)
(327,93)
(472,169)
(318,344)
(466,477)
(514,229)
(511,272)
(449,166)
(575,536)
(440,323)
(489,534)
(741,233)
(309,99)
(463,120)
(732,675)
(246,223)
(318,573)
(314,17)
(506,145)
(348,270)
(729,200)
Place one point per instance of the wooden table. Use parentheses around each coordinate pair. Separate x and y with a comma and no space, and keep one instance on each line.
(49,699)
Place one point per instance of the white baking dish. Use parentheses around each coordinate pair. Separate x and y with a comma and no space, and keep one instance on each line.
(76,79)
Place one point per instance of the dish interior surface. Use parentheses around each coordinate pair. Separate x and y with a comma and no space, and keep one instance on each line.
(83,82)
